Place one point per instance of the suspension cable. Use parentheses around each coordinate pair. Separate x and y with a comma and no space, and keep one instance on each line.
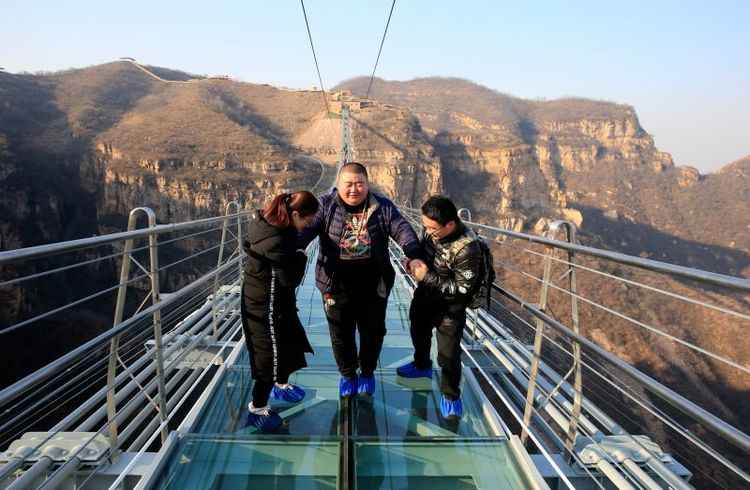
(317,67)
(380,50)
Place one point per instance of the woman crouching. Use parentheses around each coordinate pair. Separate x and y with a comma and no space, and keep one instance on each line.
(274,334)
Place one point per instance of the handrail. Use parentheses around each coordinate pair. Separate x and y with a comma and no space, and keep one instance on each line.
(732,282)
(12,391)
(717,425)
(46,250)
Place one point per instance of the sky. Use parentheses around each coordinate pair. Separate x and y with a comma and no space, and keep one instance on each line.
(683,65)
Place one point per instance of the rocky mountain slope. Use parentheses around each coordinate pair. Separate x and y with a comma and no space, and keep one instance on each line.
(517,162)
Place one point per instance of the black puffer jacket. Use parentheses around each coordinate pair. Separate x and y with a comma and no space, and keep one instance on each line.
(456,267)
(274,334)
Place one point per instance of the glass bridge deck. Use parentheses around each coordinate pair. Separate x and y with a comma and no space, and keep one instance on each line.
(394,440)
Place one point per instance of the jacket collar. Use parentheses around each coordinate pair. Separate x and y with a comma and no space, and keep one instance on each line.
(457,233)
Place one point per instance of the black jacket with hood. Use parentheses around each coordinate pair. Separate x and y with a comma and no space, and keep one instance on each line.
(274,334)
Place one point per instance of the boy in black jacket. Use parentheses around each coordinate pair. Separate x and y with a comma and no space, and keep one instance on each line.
(447,283)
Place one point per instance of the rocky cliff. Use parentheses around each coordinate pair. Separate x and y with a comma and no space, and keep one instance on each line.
(520,163)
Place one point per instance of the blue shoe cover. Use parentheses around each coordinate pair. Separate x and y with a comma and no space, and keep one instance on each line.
(347,386)
(451,408)
(264,421)
(366,385)
(290,393)
(411,371)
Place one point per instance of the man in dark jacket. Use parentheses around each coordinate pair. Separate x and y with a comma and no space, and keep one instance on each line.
(446,286)
(354,272)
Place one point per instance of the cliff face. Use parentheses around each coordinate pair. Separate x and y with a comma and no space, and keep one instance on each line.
(80,149)
(520,163)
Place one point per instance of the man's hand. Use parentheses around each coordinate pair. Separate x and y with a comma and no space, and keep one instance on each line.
(418,269)
(408,264)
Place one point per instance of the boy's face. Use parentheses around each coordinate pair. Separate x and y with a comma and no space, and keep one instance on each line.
(435,229)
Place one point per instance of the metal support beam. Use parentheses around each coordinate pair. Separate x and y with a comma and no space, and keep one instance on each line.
(538,336)
(570,233)
(119,313)
(57,478)
(31,475)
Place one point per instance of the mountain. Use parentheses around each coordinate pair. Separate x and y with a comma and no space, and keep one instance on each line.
(79,149)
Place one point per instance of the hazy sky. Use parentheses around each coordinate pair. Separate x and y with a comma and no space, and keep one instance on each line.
(684,65)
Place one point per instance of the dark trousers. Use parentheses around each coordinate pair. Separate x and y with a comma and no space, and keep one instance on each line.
(449,321)
(365,311)
(262,391)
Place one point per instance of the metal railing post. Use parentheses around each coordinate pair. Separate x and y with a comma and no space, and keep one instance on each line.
(115,342)
(224,230)
(155,298)
(240,264)
(119,312)
(570,232)
(538,336)
(575,414)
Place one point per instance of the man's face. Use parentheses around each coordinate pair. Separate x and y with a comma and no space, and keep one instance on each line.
(353,188)
(435,229)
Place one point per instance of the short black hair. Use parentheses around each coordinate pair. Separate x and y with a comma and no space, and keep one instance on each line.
(440,209)
(355,168)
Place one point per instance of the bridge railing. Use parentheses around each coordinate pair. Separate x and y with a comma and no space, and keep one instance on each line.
(562,320)
(116,384)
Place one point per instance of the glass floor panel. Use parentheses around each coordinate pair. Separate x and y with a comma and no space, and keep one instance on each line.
(411,408)
(317,414)
(440,465)
(398,440)
(395,353)
(201,462)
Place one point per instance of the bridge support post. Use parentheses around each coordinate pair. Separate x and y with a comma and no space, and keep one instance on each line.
(347,152)
(575,413)
(538,336)
(114,358)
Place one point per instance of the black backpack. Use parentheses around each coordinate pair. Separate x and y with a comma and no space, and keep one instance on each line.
(482,294)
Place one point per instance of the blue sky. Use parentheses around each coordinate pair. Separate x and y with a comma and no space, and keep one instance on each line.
(685,66)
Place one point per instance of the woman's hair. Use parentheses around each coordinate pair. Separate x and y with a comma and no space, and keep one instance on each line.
(278,212)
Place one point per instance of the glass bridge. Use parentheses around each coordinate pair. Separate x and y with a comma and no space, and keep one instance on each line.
(393,440)
(160,399)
